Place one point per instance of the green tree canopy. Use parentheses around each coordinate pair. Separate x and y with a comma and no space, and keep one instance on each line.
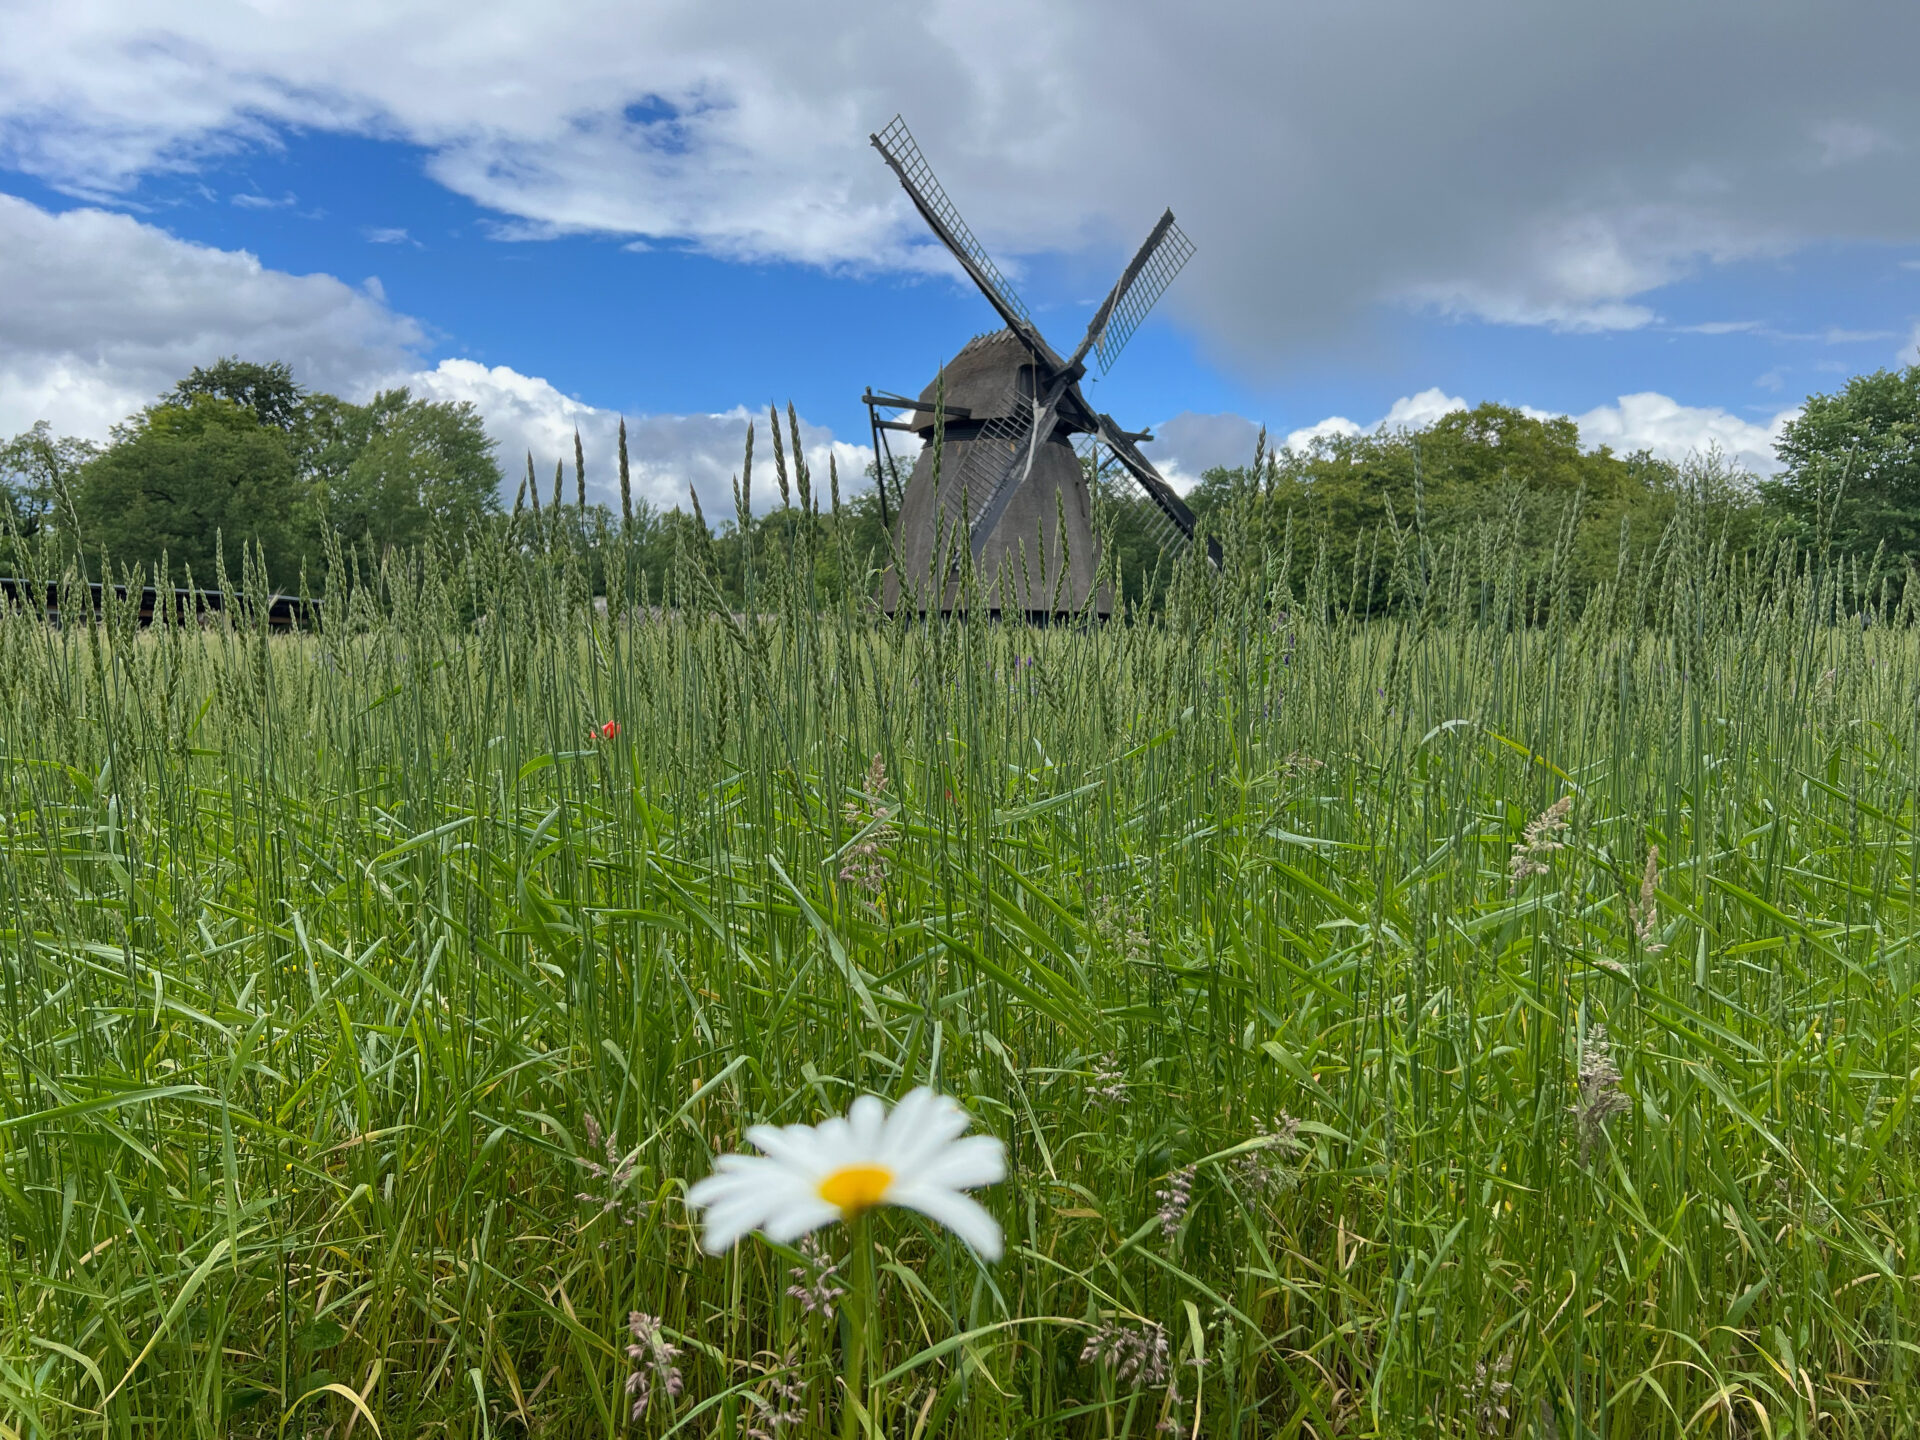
(269,391)
(182,479)
(36,467)
(397,469)
(1470,471)
(1853,464)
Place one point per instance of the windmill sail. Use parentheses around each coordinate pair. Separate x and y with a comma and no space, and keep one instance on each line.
(1042,420)
(897,148)
(1164,497)
(1166,536)
(990,462)
(1165,253)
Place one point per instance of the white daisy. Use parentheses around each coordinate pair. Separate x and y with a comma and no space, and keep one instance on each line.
(812,1175)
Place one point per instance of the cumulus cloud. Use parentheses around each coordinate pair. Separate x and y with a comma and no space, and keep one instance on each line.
(1409,412)
(668,453)
(1327,159)
(104,312)
(1672,431)
(1191,444)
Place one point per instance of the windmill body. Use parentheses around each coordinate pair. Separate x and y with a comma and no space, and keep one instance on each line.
(999,480)
(1041,557)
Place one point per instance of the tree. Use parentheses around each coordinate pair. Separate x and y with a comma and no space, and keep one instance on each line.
(1490,470)
(267,390)
(36,467)
(1853,465)
(397,470)
(181,479)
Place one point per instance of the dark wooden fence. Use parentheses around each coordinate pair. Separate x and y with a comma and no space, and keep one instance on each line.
(284,612)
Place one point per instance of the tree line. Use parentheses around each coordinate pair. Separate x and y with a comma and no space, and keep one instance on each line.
(1848,486)
(239,454)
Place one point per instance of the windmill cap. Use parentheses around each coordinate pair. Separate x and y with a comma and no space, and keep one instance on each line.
(980,380)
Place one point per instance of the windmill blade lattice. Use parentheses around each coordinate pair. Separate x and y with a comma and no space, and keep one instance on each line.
(896,143)
(990,459)
(1160,527)
(1151,279)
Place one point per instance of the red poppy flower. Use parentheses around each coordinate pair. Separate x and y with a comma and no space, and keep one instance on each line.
(608,731)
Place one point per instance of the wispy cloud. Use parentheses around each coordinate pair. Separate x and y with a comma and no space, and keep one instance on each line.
(1847,142)
(390,235)
(1723,327)
(254,200)
(1832,335)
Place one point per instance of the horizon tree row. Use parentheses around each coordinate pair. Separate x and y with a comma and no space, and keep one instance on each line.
(240,452)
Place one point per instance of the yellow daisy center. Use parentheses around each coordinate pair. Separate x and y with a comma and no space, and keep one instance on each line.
(854,1189)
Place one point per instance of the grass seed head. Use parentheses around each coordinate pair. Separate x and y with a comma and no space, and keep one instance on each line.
(1137,1355)
(1107,1085)
(1175,1198)
(653,1360)
(1538,842)
(1645,911)
(1600,1094)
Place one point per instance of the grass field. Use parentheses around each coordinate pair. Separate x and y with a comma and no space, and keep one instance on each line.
(1436,1025)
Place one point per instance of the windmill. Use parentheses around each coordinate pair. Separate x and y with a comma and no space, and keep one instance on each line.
(1006,480)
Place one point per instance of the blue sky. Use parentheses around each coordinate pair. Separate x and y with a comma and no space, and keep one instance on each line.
(636,213)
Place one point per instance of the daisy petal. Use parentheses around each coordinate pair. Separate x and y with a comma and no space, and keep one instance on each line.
(796,1218)
(726,1226)
(791,1145)
(867,1122)
(920,1125)
(965,1164)
(961,1214)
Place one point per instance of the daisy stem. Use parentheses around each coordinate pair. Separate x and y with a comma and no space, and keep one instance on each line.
(860,1315)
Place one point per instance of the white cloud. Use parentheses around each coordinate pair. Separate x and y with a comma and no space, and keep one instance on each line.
(1187,446)
(1325,159)
(667,453)
(1190,444)
(105,312)
(389,235)
(1409,412)
(1414,412)
(1672,431)
(1724,327)
(1334,427)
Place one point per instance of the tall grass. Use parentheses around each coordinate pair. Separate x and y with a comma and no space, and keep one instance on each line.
(1334,1092)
